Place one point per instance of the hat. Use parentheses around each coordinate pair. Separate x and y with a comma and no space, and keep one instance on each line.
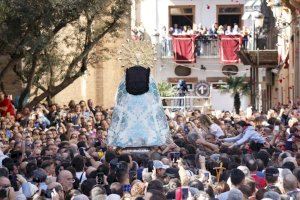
(172,172)
(272,171)
(113,197)
(159,165)
(235,194)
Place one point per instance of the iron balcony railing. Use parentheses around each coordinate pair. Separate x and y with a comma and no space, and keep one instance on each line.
(205,46)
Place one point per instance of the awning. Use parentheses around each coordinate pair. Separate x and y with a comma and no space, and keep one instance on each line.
(259,58)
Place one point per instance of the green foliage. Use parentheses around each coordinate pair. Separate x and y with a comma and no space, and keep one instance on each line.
(166,89)
(236,86)
(55,38)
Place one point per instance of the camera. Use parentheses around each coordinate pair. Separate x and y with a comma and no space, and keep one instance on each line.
(81,151)
(100,177)
(14,181)
(185,192)
(174,156)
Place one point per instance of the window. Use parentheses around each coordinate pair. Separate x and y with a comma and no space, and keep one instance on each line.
(230,15)
(230,10)
(182,16)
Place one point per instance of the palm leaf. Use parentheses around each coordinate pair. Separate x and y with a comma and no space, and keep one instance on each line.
(236,84)
(166,89)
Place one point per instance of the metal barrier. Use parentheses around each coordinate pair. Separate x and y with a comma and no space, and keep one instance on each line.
(186,102)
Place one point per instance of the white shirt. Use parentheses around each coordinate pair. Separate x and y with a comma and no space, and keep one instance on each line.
(216,130)
(78,175)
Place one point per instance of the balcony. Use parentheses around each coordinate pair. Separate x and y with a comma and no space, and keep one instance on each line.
(205,47)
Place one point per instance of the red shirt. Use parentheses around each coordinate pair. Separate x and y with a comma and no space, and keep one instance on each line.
(10,108)
(260,182)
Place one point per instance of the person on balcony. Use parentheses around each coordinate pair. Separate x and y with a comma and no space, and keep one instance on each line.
(245,35)
(228,31)
(177,30)
(185,30)
(235,30)
(166,41)
(220,30)
(213,31)
(190,30)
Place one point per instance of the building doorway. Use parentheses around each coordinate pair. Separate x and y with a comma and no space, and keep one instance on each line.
(182,16)
(230,15)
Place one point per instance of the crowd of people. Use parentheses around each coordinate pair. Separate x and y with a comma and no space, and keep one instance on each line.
(59,152)
(215,30)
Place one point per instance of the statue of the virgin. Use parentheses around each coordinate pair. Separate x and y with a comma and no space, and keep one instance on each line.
(138,118)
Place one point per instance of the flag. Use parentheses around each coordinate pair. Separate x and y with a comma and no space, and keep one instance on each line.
(184,48)
(229,45)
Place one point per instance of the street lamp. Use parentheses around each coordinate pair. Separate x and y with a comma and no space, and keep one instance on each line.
(277,9)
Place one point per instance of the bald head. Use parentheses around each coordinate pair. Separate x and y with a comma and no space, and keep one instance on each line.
(64,174)
(290,182)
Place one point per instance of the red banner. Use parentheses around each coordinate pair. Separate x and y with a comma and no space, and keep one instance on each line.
(229,45)
(184,48)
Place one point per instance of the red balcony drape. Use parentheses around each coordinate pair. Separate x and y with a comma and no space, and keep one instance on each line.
(184,48)
(229,45)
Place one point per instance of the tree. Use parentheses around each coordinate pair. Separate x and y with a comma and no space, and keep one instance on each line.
(166,90)
(236,86)
(54,40)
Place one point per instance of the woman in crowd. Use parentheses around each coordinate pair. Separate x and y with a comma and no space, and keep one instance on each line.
(210,127)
